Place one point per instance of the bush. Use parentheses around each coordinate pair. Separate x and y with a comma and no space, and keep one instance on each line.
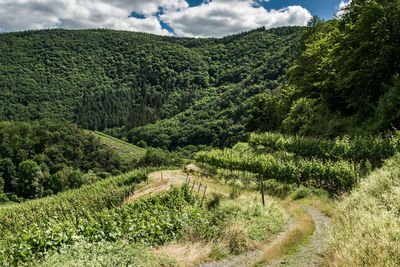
(238,241)
(275,188)
(234,191)
(302,192)
(214,200)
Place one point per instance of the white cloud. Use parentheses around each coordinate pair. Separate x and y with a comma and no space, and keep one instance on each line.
(342,5)
(222,17)
(211,18)
(75,14)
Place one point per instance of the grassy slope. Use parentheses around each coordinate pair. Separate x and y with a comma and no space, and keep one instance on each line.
(366,227)
(126,150)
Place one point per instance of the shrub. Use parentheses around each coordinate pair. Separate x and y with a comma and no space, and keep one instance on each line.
(234,191)
(214,200)
(302,192)
(275,188)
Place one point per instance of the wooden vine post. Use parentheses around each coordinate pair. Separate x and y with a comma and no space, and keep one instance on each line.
(262,190)
(204,194)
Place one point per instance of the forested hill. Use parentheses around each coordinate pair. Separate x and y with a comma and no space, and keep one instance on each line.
(104,79)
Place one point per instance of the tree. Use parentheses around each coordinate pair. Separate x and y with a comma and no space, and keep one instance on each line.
(8,171)
(265,114)
(1,184)
(26,182)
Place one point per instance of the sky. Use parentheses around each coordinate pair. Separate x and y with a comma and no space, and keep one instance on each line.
(188,18)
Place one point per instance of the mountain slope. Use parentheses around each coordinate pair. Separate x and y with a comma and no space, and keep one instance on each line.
(104,79)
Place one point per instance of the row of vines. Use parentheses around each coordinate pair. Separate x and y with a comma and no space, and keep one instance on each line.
(152,221)
(331,175)
(373,149)
(95,214)
(104,194)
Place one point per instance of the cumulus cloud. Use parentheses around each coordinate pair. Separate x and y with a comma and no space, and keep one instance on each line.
(211,18)
(221,17)
(76,14)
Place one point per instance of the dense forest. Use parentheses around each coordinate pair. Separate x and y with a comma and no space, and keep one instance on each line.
(101,79)
(43,158)
(345,79)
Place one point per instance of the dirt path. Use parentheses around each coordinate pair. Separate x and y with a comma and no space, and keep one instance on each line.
(309,255)
(249,258)
(158,182)
(312,253)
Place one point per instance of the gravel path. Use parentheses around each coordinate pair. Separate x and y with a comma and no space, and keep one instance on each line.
(248,259)
(309,255)
(312,253)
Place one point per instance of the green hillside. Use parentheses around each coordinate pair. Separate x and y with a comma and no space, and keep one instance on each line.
(104,79)
(43,158)
(124,149)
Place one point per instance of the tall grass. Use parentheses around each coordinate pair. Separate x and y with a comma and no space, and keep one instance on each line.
(366,228)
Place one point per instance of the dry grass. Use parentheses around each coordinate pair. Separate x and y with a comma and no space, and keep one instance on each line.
(293,237)
(366,228)
(187,254)
(324,205)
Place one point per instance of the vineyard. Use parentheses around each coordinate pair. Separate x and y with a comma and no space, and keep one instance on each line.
(40,225)
(102,213)
(373,149)
(95,214)
(335,165)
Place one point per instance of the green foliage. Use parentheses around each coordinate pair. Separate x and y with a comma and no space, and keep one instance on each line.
(101,79)
(348,65)
(301,192)
(152,221)
(265,114)
(125,150)
(106,254)
(214,200)
(1,185)
(27,183)
(387,113)
(48,223)
(243,223)
(275,188)
(234,191)
(358,148)
(158,157)
(107,193)
(8,170)
(300,114)
(45,157)
(334,176)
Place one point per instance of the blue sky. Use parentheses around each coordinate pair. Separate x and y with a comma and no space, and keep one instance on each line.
(192,18)
(323,8)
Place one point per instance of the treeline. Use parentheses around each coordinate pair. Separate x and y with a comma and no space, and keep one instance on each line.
(345,79)
(45,157)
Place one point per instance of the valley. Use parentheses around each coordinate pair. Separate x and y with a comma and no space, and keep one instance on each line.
(269,147)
